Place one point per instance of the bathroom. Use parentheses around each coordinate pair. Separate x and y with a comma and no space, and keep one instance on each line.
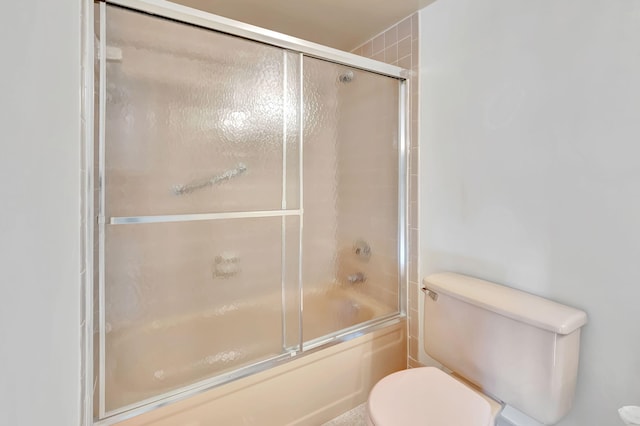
(528,114)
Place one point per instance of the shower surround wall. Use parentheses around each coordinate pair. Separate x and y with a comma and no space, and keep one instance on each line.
(399,45)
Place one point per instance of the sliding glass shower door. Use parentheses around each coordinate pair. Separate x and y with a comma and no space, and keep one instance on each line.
(350,241)
(200,178)
(249,203)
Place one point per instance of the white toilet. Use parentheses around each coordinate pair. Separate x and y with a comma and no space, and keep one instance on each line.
(503,346)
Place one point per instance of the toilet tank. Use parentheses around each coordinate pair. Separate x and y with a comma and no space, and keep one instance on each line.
(519,348)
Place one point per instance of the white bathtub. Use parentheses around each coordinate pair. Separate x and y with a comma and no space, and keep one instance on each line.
(321,385)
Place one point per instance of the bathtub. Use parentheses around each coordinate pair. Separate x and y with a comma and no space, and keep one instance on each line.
(160,357)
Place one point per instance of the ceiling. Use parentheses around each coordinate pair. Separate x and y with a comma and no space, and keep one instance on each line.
(336,23)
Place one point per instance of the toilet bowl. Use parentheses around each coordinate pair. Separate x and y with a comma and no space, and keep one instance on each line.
(520,348)
(428,396)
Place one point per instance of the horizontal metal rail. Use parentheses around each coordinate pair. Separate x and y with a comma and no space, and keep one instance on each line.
(130,220)
(218,23)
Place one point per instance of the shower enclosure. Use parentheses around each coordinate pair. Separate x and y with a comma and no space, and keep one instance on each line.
(249,200)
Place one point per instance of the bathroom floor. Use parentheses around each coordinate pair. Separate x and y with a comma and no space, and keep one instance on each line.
(358,417)
(355,417)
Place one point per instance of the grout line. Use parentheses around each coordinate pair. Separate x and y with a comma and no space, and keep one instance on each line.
(387,29)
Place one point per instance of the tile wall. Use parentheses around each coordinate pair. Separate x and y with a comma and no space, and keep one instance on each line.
(398,45)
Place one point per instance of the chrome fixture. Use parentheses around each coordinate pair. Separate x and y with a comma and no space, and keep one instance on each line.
(362,249)
(199,184)
(346,77)
(358,277)
(432,294)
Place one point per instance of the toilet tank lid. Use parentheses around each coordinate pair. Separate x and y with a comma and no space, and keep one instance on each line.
(512,303)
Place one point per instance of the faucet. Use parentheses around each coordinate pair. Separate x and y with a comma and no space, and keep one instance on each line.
(358,277)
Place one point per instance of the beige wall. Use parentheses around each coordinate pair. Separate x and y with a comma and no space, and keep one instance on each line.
(398,45)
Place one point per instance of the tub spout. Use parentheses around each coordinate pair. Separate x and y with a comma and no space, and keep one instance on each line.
(358,277)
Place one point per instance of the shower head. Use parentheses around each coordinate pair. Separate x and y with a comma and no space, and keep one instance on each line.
(346,77)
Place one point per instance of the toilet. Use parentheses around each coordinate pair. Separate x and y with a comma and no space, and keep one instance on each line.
(499,346)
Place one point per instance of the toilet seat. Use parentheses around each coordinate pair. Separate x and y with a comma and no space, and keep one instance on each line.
(426,396)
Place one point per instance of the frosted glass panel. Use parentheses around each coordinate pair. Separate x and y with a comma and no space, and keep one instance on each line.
(201,122)
(196,120)
(187,301)
(351,197)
